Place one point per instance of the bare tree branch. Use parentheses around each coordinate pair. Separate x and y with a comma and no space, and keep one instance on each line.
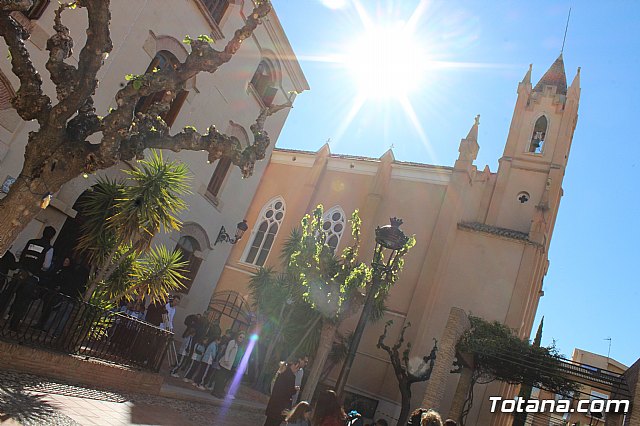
(83,83)
(203,58)
(15,5)
(29,102)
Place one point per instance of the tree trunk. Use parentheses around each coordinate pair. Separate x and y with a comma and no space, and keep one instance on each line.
(17,209)
(95,280)
(324,348)
(405,394)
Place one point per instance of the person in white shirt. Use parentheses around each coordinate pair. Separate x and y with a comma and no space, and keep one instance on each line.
(167,324)
(223,375)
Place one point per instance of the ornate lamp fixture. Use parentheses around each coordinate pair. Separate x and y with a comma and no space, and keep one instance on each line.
(241,228)
(389,240)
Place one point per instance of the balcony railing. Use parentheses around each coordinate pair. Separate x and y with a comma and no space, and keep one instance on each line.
(53,321)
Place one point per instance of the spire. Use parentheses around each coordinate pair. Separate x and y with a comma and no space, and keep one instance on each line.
(527,76)
(554,76)
(538,339)
(388,156)
(469,146)
(576,80)
(473,132)
(325,150)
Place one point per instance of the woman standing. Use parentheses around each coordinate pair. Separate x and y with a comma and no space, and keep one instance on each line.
(300,415)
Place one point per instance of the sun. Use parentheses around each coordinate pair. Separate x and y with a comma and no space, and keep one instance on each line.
(386,62)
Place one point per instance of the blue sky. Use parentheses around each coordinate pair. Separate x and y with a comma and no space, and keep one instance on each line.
(591,290)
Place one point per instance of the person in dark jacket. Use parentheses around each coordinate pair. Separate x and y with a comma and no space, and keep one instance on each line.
(70,283)
(155,311)
(283,390)
(7,263)
(35,262)
(51,297)
(37,254)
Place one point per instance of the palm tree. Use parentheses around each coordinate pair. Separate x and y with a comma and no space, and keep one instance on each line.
(130,213)
(155,274)
(323,290)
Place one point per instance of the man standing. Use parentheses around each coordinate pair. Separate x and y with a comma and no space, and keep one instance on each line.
(302,362)
(170,307)
(38,253)
(283,390)
(35,260)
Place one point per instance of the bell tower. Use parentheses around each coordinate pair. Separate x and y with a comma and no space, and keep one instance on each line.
(529,182)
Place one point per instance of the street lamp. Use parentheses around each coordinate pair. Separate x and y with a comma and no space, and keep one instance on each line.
(389,241)
(224,237)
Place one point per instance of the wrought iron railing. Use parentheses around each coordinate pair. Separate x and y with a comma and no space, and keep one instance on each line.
(54,321)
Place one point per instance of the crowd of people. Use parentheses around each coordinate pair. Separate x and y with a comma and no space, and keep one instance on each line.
(58,281)
(327,411)
(283,407)
(206,358)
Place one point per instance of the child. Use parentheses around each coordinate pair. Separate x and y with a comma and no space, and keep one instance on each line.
(182,355)
(206,368)
(300,415)
(196,358)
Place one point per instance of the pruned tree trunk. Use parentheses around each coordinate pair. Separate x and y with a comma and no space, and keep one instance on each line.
(58,150)
(327,335)
(405,398)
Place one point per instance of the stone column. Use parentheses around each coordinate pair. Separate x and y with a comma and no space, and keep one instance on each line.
(457,324)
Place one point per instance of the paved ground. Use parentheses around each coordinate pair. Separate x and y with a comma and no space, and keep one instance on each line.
(30,400)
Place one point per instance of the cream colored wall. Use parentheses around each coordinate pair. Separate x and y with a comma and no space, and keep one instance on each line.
(140,29)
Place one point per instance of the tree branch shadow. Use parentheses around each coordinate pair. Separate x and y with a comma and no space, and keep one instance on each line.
(24,407)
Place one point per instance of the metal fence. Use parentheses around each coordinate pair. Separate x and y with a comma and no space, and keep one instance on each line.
(54,321)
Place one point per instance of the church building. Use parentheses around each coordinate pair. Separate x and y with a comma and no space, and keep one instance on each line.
(482,237)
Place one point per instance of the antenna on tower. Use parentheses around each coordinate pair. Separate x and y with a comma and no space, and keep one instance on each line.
(565,32)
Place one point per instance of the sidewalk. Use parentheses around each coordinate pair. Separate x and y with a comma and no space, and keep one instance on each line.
(180,393)
(31,400)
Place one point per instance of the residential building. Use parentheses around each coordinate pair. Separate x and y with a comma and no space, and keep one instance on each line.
(148,34)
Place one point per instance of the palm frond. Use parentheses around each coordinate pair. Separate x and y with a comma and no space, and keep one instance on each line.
(152,200)
(97,208)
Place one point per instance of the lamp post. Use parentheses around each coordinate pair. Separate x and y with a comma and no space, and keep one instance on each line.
(389,241)
(241,228)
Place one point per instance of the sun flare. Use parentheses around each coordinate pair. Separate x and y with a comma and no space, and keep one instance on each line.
(387,62)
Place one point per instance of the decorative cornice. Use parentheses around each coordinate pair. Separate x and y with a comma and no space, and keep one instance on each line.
(500,232)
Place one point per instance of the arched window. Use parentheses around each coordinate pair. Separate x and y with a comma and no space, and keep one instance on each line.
(189,246)
(224,164)
(264,82)
(333,226)
(538,136)
(265,231)
(230,310)
(163,60)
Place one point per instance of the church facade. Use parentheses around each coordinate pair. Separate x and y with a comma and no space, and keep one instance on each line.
(482,236)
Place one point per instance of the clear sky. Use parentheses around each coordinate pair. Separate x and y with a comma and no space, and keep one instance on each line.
(470,57)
